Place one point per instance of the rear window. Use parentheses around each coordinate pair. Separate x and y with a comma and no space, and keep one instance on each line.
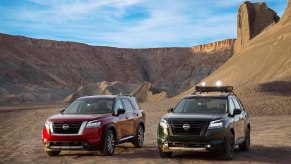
(134,103)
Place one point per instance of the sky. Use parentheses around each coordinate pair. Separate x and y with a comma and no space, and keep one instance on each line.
(125,23)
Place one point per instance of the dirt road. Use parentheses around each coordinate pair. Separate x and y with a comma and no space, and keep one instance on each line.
(20,136)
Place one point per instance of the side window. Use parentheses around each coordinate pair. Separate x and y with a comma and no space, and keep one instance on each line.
(118,105)
(127,105)
(241,106)
(135,104)
(231,106)
(236,104)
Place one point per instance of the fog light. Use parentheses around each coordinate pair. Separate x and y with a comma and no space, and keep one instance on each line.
(47,144)
(166,145)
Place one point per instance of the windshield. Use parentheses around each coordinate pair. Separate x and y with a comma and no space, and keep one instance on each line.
(90,106)
(202,105)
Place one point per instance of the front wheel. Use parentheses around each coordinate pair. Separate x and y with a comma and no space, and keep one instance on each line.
(53,153)
(139,137)
(228,153)
(109,143)
(245,146)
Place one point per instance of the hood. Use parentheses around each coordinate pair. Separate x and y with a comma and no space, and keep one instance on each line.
(192,117)
(76,117)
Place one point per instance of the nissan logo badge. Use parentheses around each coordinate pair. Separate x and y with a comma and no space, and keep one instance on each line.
(186,126)
(65,126)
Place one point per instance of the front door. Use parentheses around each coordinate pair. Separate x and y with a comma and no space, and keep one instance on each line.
(121,121)
(130,116)
(239,121)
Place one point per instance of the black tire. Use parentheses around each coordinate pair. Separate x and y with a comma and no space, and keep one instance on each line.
(139,137)
(228,153)
(109,143)
(165,154)
(246,145)
(53,153)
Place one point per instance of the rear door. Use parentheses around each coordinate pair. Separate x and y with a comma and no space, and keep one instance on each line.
(240,122)
(130,116)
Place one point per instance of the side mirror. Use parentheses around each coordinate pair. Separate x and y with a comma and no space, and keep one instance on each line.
(62,111)
(170,110)
(236,111)
(120,111)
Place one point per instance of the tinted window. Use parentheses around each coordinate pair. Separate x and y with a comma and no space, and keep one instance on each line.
(241,106)
(202,105)
(236,103)
(118,105)
(127,105)
(231,106)
(90,106)
(134,104)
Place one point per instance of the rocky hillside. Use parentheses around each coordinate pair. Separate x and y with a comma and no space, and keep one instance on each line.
(261,70)
(44,70)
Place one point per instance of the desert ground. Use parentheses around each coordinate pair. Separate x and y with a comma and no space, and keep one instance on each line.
(21,128)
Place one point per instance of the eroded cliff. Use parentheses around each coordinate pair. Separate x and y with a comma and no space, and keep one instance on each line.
(45,70)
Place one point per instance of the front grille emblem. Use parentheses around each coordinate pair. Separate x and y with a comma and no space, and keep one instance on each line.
(186,126)
(65,126)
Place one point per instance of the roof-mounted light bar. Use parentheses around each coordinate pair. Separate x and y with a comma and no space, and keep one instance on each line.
(227,89)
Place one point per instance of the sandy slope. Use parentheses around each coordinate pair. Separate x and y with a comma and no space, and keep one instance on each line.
(21,140)
(261,71)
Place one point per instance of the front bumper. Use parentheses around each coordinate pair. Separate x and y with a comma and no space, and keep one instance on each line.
(89,139)
(210,141)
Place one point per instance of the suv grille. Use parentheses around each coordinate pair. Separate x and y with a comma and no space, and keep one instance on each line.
(66,127)
(195,127)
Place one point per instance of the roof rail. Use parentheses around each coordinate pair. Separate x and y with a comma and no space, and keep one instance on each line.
(121,94)
(223,89)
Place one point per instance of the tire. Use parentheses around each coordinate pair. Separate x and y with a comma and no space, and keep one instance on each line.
(53,153)
(228,153)
(165,154)
(109,143)
(246,145)
(139,137)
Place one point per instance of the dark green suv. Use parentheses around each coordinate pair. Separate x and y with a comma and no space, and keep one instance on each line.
(213,119)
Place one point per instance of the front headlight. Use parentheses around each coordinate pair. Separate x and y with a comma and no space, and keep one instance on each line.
(47,125)
(93,124)
(215,124)
(163,123)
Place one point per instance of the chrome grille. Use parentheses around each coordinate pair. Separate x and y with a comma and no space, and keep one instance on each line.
(73,127)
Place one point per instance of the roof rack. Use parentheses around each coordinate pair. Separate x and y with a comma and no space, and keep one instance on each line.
(223,89)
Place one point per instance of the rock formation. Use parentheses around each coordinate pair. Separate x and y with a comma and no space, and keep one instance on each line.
(145,93)
(224,44)
(102,88)
(51,70)
(252,19)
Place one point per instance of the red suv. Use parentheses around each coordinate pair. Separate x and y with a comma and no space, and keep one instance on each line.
(95,123)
